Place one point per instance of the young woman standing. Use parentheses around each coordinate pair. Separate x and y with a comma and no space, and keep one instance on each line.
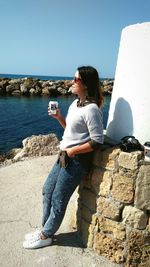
(83,133)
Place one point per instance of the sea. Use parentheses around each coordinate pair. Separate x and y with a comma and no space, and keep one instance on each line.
(22,117)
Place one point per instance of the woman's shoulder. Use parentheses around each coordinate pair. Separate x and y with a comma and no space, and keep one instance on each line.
(73,104)
(92,106)
(92,110)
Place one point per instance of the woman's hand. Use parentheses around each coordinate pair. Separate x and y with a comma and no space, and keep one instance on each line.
(79,149)
(57,115)
(70,152)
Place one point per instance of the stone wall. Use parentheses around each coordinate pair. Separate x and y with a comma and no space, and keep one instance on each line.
(114,202)
(36,87)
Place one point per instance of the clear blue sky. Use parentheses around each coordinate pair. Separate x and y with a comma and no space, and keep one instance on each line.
(54,37)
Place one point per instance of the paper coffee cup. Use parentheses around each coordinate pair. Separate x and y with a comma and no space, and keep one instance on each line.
(53,105)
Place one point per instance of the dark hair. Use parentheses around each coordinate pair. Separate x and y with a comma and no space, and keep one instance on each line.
(91,80)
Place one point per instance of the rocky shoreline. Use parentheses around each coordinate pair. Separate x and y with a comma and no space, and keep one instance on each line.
(36,87)
(33,146)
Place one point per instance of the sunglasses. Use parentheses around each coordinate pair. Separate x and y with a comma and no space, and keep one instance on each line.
(76,80)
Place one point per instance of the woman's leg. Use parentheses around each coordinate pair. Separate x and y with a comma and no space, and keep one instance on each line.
(48,189)
(67,181)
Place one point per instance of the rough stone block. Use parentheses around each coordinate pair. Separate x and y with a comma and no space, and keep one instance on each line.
(86,214)
(91,236)
(106,184)
(39,145)
(97,158)
(109,158)
(142,191)
(122,189)
(88,199)
(134,217)
(109,208)
(148,226)
(96,180)
(138,249)
(111,227)
(86,181)
(87,233)
(84,231)
(129,160)
(110,248)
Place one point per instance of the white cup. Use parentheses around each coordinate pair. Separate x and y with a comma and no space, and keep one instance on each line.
(147,151)
(53,105)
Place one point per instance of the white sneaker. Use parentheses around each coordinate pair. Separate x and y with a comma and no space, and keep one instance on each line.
(33,235)
(37,243)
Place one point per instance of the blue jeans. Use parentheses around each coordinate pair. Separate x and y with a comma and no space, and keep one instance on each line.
(57,190)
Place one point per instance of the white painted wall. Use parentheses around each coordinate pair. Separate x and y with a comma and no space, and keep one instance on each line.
(129,112)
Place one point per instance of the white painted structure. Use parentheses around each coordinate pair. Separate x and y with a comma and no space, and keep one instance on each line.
(129,112)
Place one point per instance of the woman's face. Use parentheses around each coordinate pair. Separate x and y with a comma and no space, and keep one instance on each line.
(78,87)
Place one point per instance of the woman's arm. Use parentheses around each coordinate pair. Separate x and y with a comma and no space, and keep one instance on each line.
(59,117)
(79,149)
(84,148)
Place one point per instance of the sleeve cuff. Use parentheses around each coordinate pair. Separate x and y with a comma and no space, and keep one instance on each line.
(95,145)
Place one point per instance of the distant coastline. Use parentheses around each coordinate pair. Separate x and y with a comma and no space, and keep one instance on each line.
(41,77)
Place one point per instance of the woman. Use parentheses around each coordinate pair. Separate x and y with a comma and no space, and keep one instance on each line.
(82,135)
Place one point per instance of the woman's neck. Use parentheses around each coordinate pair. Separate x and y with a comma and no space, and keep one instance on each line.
(82,98)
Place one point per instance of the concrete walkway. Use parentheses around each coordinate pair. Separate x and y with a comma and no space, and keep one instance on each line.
(20,212)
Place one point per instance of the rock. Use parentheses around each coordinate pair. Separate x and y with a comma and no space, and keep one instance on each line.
(142,199)
(53,90)
(4,83)
(13,81)
(35,91)
(129,160)
(62,91)
(41,145)
(134,217)
(46,83)
(24,89)
(109,209)
(12,87)
(30,82)
(138,249)
(38,90)
(111,227)
(122,189)
(45,90)
(2,158)
(106,184)
(16,92)
(110,248)
(2,91)
(89,199)
(12,153)
(32,91)
(107,86)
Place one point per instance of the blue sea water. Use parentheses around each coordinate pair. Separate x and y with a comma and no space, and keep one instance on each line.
(21,117)
(41,77)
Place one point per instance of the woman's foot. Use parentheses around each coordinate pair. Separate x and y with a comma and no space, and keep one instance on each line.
(32,235)
(38,241)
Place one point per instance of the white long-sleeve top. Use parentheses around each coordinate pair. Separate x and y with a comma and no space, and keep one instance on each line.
(82,125)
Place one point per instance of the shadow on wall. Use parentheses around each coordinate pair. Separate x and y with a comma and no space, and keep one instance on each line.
(122,123)
(89,191)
